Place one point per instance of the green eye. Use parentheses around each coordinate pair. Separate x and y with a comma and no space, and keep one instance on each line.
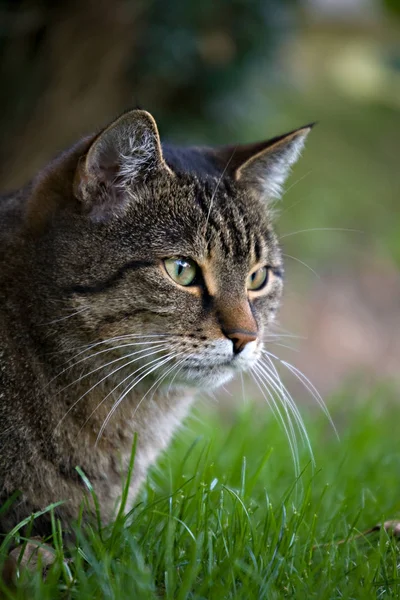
(181,270)
(258,279)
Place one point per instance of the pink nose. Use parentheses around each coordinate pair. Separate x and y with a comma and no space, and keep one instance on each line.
(240,338)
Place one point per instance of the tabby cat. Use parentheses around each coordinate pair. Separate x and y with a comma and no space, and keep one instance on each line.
(132,275)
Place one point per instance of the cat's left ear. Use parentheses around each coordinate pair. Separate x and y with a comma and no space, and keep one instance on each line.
(264,166)
(126,153)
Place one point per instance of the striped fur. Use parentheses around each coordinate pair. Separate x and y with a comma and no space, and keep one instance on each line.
(98,343)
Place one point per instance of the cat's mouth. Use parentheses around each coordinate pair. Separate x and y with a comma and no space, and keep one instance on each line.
(213,373)
(208,376)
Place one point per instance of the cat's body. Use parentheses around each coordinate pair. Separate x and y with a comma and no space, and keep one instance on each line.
(85,281)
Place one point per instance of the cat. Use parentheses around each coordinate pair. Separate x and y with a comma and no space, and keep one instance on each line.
(132,275)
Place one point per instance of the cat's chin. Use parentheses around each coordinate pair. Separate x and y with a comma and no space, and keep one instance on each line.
(208,378)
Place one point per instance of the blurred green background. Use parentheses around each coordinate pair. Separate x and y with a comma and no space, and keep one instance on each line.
(235,71)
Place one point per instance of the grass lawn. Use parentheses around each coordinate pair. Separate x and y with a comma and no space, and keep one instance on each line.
(223,515)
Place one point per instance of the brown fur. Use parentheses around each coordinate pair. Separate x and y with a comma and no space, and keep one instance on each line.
(81,252)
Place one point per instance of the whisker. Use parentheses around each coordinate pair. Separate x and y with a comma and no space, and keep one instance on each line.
(283,345)
(181,363)
(131,375)
(274,379)
(287,208)
(85,347)
(158,381)
(313,391)
(242,383)
(103,379)
(272,338)
(308,385)
(288,428)
(127,391)
(102,352)
(77,312)
(111,362)
(227,392)
(170,370)
(285,235)
(302,263)
(276,329)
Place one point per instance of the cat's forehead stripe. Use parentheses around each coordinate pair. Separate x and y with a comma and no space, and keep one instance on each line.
(230,226)
(257,248)
(226,220)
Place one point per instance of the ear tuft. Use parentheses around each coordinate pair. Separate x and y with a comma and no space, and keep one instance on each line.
(267,169)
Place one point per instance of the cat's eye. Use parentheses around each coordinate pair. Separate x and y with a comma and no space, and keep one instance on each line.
(181,270)
(257,280)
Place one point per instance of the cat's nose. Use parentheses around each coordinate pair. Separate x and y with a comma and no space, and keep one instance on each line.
(240,338)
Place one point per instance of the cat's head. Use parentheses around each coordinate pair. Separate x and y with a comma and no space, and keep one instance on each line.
(166,253)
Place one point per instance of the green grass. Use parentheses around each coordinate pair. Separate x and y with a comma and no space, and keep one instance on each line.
(222,515)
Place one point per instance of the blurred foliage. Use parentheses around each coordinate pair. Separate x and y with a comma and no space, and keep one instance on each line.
(347,179)
(197,53)
(70,66)
(394,6)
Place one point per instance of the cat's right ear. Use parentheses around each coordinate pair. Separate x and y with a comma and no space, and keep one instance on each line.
(125,154)
(99,173)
